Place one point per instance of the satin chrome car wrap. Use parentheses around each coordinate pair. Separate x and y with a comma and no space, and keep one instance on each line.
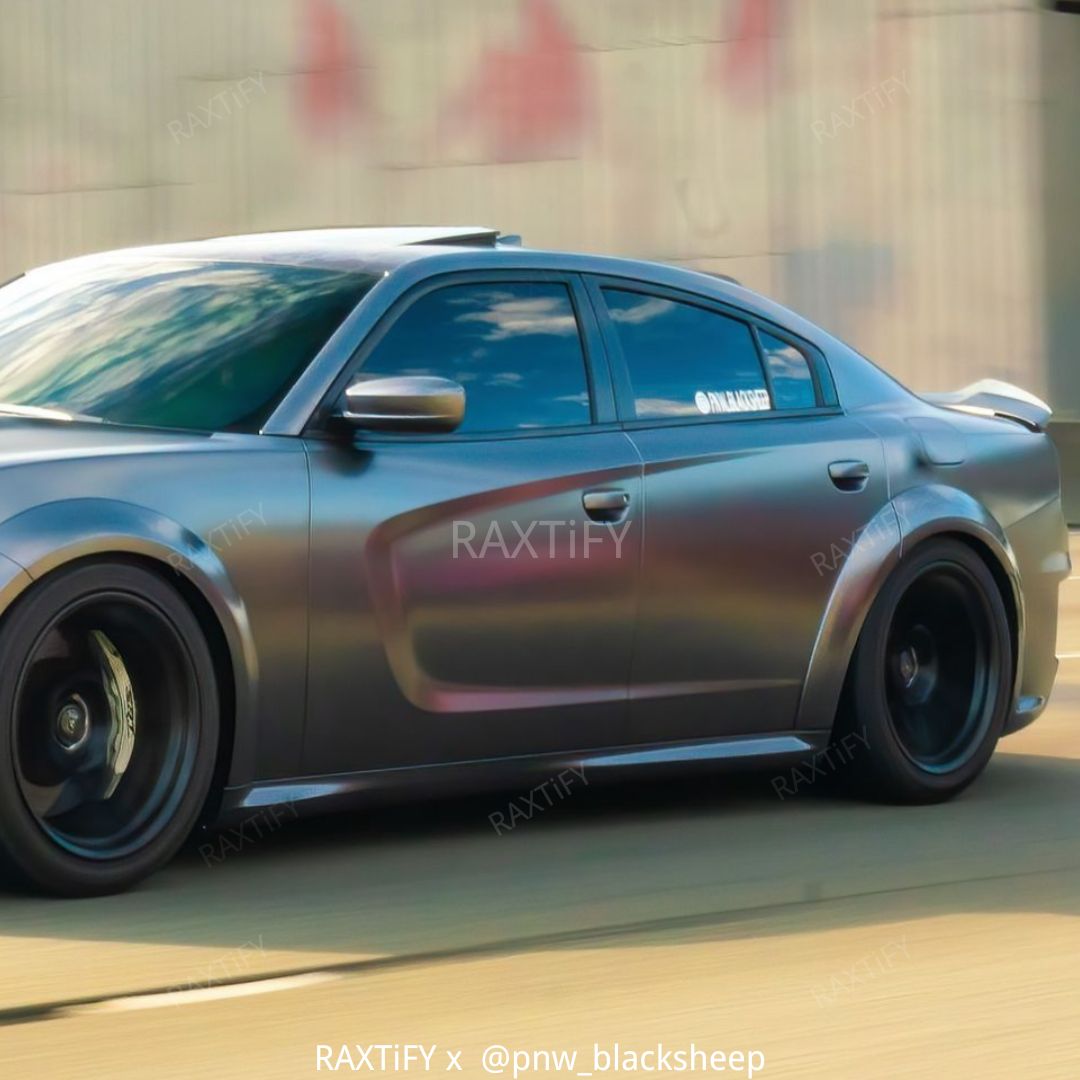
(46,537)
(340,637)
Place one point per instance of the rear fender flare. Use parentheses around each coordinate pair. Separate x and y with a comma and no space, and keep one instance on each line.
(910,518)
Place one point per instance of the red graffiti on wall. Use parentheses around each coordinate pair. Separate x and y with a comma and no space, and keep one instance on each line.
(334,90)
(529,100)
(742,62)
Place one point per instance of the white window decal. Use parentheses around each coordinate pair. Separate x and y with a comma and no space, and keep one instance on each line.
(732,401)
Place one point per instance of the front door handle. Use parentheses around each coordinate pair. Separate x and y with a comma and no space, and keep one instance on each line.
(849,475)
(598,502)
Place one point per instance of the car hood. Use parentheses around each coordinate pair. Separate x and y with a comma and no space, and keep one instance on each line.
(28,441)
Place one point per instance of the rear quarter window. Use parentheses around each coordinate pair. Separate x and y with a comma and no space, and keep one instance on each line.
(789,373)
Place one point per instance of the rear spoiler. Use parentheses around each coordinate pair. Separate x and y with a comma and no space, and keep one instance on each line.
(992,397)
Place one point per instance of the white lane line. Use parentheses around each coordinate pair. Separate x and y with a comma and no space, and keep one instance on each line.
(203,993)
(1068,655)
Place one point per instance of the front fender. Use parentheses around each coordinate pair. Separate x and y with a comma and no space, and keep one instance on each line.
(47,537)
(911,517)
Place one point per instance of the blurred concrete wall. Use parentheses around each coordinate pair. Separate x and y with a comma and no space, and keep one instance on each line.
(879,164)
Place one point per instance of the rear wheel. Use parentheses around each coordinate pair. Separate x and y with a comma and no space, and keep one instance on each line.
(108,728)
(931,680)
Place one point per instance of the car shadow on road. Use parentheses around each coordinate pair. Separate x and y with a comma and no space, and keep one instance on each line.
(708,856)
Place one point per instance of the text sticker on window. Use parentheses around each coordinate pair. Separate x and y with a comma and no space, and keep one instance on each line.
(732,401)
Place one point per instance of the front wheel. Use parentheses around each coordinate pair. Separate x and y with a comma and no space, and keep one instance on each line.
(930,683)
(108,728)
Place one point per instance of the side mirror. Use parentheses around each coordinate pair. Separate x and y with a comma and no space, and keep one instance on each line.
(404,403)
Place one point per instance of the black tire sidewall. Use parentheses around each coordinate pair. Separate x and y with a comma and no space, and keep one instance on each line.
(892,774)
(35,858)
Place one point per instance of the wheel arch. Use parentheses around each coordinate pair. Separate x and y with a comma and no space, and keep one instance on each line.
(1008,587)
(934,511)
(55,536)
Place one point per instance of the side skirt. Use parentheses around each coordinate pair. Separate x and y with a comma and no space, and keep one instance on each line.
(322,794)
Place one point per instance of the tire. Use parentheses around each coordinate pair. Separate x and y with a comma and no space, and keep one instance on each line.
(108,728)
(930,683)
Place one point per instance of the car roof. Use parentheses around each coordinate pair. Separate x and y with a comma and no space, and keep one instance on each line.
(408,255)
(383,249)
(337,248)
(414,252)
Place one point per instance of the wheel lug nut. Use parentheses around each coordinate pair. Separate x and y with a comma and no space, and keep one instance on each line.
(72,725)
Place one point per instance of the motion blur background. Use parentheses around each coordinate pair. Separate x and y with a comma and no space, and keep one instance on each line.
(905,172)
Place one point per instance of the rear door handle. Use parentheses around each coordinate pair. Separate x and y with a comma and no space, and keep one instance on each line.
(849,475)
(601,501)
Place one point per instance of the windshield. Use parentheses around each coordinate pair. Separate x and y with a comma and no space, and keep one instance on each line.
(167,343)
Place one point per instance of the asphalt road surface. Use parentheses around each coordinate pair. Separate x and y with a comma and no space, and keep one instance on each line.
(834,938)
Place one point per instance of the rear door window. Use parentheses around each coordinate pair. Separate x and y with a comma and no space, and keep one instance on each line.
(686,360)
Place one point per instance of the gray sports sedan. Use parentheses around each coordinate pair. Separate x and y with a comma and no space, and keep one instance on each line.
(291,520)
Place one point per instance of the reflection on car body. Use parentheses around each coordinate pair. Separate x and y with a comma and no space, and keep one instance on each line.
(362,400)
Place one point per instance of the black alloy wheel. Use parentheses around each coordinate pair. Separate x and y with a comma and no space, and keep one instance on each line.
(111,718)
(931,680)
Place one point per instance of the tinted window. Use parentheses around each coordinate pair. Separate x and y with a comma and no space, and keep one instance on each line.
(792,385)
(167,343)
(685,360)
(515,347)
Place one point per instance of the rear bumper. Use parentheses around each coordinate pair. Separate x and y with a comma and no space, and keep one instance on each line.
(1026,710)
(1040,542)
